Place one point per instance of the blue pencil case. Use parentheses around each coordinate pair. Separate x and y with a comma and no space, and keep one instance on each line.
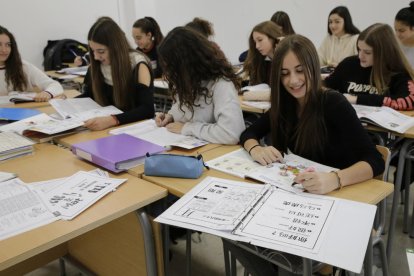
(172,165)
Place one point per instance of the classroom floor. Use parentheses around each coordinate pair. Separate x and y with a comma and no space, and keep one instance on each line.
(207,255)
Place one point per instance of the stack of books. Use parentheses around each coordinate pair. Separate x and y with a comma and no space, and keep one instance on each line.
(13,145)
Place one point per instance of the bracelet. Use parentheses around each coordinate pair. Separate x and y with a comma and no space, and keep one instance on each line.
(339,180)
(116,120)
(253,147)
(51,95)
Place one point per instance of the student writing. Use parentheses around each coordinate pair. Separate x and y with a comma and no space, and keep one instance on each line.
(204,88)
(312,122)
(379,75)
(117,75)
(19,75)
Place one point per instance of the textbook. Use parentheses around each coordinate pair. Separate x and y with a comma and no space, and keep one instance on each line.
(384,117)
(239,163)
(80,71)
(303,224)
(18,97)
(117,152)
(42,123)
(13,145)
(149,131)
(81,109)
(16,114)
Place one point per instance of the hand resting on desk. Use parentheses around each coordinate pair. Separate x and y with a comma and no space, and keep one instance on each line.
(100,123)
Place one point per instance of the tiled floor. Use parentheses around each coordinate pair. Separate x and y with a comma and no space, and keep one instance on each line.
(207,255)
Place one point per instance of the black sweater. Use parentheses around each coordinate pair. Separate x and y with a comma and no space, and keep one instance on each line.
(347,141)
(350,77)
(141,100)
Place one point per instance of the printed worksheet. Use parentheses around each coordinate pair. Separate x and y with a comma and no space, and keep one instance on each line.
(149,131)
(289,219)
(20,209)
(68,198)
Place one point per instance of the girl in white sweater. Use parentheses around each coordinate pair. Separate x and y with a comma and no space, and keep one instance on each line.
(204,88)
(18,75)
(341,39)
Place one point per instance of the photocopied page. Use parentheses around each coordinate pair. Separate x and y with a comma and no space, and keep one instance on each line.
(216,203)
(149,131)
(80,71)
(384,117)
(286,218)
(21,209)
(76,193)
(81,109)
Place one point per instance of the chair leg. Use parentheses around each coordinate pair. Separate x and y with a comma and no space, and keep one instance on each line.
(406,183)
(412,225)
(384,260)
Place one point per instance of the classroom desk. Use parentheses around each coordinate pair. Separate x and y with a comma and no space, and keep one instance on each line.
(251,109)
(53,74)
(372,191)
(70,139)
(108,238)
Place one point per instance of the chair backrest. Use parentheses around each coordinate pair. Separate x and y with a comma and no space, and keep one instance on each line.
(386,155)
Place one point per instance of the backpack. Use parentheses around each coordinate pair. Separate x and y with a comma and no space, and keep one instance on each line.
(62,51)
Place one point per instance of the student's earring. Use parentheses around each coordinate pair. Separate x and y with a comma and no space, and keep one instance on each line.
(152,38)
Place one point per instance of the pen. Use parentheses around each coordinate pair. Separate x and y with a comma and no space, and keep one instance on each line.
(73,52)
(309,169)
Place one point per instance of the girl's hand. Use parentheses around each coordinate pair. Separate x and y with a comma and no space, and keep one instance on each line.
(42,96)
(163,119)
(317,182)
(175,127)
(100,123)
(266,155)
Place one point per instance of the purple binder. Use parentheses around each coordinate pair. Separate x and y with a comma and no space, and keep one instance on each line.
(117,152)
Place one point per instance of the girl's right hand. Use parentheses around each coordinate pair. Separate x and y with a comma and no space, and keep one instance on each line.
(266,155)
(163,119)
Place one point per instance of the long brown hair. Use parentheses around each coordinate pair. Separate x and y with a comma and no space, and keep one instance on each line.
(388,59)
(15,76)
(148,24)
(106,32)
(255,64)
(188,61)
(282,19)
(310,134)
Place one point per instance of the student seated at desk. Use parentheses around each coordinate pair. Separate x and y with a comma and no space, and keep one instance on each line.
(19,75)
(204,88)
(379,75)
(118,75)
(262,43)
(147,35)
(404,28)
(312,122)
(341,39)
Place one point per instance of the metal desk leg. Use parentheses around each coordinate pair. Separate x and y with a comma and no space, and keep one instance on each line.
(62,267)
(393,217)
(166,240)
(307,267)
(188,252)
(406,184)
(369,255)
(148,243)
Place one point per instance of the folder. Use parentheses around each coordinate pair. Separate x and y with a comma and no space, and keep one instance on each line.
(116,153)
(17,114)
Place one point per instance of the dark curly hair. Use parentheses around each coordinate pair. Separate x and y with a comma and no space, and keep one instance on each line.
(188,61)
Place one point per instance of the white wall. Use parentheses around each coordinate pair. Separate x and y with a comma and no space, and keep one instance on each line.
(34,22)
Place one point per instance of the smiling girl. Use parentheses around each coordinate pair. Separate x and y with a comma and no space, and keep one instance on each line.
(19,75)
(312,122)
(379,75)
(262,43)
(341,40)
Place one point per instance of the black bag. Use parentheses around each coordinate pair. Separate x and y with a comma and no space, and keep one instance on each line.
(62,51)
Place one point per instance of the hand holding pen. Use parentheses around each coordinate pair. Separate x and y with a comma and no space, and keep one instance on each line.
(316,182)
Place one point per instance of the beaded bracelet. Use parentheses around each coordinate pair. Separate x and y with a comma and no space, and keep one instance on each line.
(253,147)
(339,180)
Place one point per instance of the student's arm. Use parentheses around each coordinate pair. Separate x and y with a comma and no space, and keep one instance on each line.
(342,121)
(399,97)
(49,87)
(143,97)
(323,52)
(228,117)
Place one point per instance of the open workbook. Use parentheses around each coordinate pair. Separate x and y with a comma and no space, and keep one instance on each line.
(241,164)
(384,117)
(149,131)
(311,226)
